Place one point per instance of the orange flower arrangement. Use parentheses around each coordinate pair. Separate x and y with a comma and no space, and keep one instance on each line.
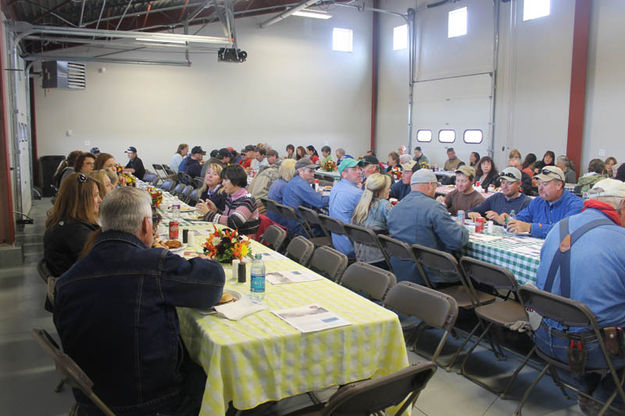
(395,172)
(329,166)
(225,245)
(156,194)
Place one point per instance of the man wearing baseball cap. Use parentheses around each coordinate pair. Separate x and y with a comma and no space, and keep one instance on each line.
(509,199)
(420,219)
(553,204)
(401,188)
(299,192)
(595,276)
(344,197)
(134,165)
(191,165)
(464,197)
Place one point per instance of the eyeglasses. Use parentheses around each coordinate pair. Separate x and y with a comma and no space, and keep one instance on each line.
(82,178)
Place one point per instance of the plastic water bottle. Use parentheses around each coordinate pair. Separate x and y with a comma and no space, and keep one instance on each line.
(257,281)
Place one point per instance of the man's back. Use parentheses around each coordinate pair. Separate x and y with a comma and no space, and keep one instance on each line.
(115,314)
(344,197)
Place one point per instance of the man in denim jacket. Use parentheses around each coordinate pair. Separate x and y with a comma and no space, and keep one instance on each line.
(115,313)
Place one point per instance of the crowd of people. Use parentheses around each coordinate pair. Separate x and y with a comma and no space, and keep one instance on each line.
(99,228)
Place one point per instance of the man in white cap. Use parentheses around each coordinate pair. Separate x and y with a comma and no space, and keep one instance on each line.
(420,219)
(509,199)
(553,204)
(591,245)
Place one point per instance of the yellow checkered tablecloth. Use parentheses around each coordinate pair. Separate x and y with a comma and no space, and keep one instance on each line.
(262,358)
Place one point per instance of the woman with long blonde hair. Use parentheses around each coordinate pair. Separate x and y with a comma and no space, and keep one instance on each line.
(372,212)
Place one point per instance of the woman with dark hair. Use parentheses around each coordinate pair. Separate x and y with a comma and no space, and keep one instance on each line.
(85,163)
(529,163)
(312,154)
(212,189)
(290,152)
(549,159)
(609,163)
(66,167)
(241,211)
(486,173)
(300,152)
(105,161)
(70,221)
(474,159)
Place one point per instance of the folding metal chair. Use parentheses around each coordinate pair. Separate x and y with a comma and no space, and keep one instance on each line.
(290,213)
(300,250)
(198,182)
(178,189)
(372,397)
(433,308)
(368,280)
(69,369)
(168,170)
(332,225)
(167,185)
(185,178)
(194,197)
(160,172)
(186,192)
(568,313)
(274,237)
(312,219)
(502,313)
(328,262)
(367,237)
(270,205)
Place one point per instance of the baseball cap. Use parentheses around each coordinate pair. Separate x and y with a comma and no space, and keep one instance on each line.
(511,174)
(408,165)
(224,152)
(249,148)
(197,149)
(370,160)
(348,163)
(131,149)
(549,173)
(608,188)
(423,176)
(466,171)
(304,163)
(95,150)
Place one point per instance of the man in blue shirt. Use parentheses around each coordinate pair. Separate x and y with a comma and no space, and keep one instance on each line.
(509,199)
(553,204)
(344,197)
(401,188)
(299,192)
(420,219)
(191,164)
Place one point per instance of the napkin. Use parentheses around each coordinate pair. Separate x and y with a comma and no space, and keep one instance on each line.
(240,309)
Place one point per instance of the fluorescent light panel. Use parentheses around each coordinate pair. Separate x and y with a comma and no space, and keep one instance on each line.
(313,14)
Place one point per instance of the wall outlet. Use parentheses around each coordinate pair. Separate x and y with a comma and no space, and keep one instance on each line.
(601,153)
(68,133)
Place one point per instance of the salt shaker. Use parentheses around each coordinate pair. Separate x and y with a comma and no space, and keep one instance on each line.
(235,269)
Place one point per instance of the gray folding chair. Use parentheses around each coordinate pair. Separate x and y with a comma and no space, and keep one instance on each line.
(178,189)
(328,262)
(503,313)
(168,185)
(186,192)
(289,213)
(198,182)
(433,308)
(367,237)
(312,218)
(568,313)
(69,369)
(194,197)
(368,280)
(273,237)
(332,225)
(372,397)
(270,205)
(185,178)
(300,250)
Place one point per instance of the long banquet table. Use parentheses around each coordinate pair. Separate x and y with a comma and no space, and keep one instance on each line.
(262,358)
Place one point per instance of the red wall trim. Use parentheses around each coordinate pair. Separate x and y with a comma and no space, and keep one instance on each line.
(579,64)
(374,70)
(7,224)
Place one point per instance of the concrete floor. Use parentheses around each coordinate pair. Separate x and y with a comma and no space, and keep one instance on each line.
(28,376)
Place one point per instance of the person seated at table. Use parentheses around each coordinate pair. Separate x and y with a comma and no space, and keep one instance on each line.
(393,161)
(326,155)
(596,277)
(402,150)
(135,164)
(401,188)
(241,211)
(596,172)
(419,157)
(526,180)
(105,161)
(370,165)
(259,187)
(548,159)
(341,155)
(276,190)
(118,304)
(474,159)
(65,168)
(84,163)
(259,162)
(620,173)
(553,204)
(566,165)
(290,152)
(103,180)
(344,197)
(372,212)
(452,163)
(609,164)
(192,164)
(509,199)
(312,154)
(248,154)
(222,157)
(181,153)
(212,190)
(420,219)
(72,218)
(528,164)
(486,173)
(299,192)
(300,153)
(464,197)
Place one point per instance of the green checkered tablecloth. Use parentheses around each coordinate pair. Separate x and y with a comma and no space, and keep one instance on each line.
(261,358)
(502,252)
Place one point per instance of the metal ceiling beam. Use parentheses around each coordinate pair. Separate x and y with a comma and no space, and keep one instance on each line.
(48,11)
(123,15)
(287,13)
(121,43)
(135,14)
(38,58)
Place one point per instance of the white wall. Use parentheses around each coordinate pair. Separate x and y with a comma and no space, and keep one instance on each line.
(292,89)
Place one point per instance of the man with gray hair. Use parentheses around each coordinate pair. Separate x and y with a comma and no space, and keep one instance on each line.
(419,219)
(115,311)
(583,259)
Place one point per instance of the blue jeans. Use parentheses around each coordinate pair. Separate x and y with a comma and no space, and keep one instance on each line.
(593,383)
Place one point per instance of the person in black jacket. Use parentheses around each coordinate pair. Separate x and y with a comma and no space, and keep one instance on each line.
(486,173)
(72,219)
(135,165)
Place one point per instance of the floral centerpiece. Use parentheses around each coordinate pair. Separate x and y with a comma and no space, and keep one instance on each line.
(156,194)
(225,245)
(125,179)
(424,165)
(329,166)
(395,173)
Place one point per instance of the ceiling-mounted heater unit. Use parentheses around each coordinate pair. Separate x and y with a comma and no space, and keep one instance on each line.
(62,74)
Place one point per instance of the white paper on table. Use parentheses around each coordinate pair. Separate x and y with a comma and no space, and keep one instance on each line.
(239,309)
(272,255)
(532,250)
(311,318)
(484,238)
(291,276)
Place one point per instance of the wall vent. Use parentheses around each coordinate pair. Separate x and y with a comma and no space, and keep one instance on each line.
(63,74)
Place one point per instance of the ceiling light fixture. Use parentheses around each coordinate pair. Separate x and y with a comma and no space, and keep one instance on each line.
(313,14)
(177,42)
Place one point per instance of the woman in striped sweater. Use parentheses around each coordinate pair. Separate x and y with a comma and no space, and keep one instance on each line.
(241,212)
